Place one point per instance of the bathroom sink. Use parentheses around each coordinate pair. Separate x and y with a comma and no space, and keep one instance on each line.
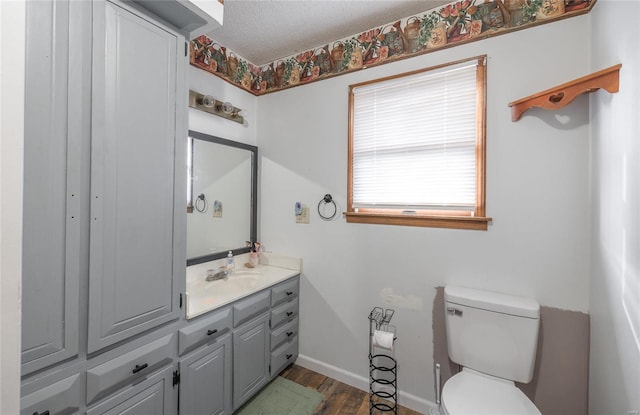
(245,273)
(238,281)
(204,296)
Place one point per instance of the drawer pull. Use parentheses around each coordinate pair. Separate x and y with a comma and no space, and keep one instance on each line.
(210,332)
(289,293)
(289,356)
(289,333)
(41,413)
(289,313)
(140,367)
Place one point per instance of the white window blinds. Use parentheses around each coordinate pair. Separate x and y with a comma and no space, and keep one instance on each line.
(414,141)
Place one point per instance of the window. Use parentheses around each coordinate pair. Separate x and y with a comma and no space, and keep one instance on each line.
(417,148)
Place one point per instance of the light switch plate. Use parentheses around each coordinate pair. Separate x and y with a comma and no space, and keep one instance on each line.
(216,212)
(303,217)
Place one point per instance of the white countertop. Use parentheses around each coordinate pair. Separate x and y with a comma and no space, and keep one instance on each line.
(203,296)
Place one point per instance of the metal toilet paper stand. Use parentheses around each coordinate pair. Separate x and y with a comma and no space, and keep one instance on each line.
(383,382)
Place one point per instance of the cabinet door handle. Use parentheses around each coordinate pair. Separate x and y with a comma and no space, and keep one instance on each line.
(289,333)
(289,313)
(289,356)
(210,332)
(289,292)
(139,368)
(41,413)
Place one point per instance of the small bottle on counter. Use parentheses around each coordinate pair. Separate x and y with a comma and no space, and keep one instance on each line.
(231,265)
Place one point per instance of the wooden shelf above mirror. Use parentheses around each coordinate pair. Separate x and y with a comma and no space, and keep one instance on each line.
(562,95)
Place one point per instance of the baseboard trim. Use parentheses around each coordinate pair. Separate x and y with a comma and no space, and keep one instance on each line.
(406,399)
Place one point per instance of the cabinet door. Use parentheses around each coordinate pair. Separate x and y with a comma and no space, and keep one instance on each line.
(155,395)
(137,259)
(205,380)
(250,359)
(51,223)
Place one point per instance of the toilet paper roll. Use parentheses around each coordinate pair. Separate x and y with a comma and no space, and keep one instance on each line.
(383,339)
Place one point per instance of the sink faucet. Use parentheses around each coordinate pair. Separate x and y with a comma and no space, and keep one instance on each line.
(221,274)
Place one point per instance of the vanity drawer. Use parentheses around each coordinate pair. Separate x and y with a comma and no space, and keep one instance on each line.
(152,395)
(251,307)
(284,312)
(284,333)
(129,367)
(285,291)
(62,397)
(203,330)
(283,355)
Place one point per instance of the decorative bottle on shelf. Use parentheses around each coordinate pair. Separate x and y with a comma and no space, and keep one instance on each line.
(230,262)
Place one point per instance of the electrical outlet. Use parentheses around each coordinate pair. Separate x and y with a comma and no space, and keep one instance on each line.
(303,217)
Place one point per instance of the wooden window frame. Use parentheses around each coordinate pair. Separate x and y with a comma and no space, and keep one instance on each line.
(430,218)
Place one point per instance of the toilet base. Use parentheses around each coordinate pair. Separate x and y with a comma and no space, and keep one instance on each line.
(473,393)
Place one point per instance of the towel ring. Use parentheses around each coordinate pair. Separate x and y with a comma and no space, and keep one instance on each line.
(201,207)
(326,200)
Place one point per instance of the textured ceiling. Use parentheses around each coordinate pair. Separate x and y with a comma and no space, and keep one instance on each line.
(263,31)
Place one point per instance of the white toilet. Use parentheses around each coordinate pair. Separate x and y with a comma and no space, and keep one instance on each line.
(494,338)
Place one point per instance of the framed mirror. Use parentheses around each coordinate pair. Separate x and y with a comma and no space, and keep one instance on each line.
(221,198)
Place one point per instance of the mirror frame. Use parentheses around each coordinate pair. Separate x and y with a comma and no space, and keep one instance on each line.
(254,194)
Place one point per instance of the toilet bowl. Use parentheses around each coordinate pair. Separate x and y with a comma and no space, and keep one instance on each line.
(474,393)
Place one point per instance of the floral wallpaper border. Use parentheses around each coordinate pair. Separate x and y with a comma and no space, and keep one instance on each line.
(458,22)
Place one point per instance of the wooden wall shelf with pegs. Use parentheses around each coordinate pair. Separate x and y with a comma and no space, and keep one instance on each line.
(562,95)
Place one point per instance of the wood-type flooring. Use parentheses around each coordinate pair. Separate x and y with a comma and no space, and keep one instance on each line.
(338,398)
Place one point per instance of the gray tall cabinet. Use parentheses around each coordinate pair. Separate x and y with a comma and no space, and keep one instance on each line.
(104,249)
(135,121)
(53,190)
(103,241)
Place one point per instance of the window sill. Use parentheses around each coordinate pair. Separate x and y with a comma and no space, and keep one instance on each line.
(451,222)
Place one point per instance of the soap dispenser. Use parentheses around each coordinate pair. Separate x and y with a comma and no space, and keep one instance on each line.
(230,262)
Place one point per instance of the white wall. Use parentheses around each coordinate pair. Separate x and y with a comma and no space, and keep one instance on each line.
(537,194)
(12,40)
(615,281)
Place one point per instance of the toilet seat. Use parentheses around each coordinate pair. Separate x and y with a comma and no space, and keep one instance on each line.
(474,393)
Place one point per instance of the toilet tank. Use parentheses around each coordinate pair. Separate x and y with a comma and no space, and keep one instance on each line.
(493,333)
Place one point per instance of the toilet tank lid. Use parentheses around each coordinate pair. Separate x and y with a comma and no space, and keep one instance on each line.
(492,301)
